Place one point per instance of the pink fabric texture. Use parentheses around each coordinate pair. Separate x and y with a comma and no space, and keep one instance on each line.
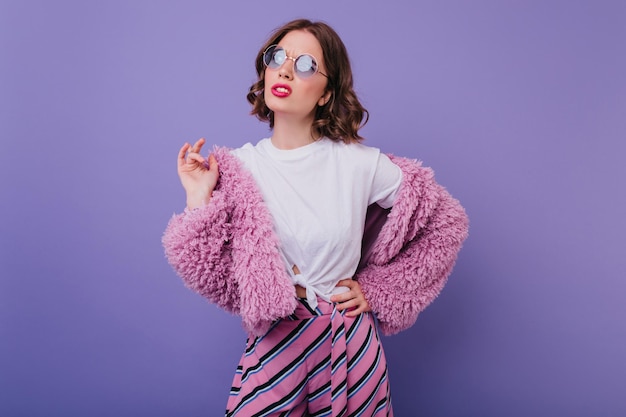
(415,250)
(316,362)
(227,251)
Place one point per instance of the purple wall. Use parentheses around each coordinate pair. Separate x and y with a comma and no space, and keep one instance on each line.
(519,106)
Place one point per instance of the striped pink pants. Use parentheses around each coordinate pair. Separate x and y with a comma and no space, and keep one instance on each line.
(313,363)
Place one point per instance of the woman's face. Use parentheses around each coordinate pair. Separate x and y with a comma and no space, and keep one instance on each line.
(289,95)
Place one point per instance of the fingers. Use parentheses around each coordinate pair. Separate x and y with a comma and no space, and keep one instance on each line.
(355,312)
(347,282)
(181,154)
(354,307)
(352,300)
(189,154)
(196,157)
(353,292)
(351,303)
(198,145)
(213,163)
(343,297)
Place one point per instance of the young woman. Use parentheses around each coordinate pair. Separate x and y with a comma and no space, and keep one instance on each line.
(314,239)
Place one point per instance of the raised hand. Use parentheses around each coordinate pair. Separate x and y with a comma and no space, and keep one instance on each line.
(197,175)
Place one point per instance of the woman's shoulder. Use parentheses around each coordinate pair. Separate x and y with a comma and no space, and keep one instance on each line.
(249,150)
(355,150)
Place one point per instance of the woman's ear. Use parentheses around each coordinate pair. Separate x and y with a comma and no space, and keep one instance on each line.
(325,98)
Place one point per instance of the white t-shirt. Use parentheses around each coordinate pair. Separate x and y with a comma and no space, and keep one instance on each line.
(318,196)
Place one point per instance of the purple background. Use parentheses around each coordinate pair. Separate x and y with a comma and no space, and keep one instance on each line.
(519,106)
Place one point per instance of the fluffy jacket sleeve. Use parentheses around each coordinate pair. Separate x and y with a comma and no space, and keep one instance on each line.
(415,251)
(197,245)
(227,251)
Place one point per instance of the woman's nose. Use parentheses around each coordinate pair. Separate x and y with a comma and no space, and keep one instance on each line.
(286,70)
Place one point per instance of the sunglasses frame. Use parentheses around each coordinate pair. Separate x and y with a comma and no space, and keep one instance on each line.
(295,60)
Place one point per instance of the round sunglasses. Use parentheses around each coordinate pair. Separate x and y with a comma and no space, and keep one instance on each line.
(305,65)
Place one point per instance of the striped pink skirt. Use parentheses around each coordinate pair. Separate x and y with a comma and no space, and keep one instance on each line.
(313,363)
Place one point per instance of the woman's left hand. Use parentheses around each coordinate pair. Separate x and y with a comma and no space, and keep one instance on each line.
(354,300)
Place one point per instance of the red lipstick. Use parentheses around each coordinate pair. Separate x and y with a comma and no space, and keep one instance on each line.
(281,90)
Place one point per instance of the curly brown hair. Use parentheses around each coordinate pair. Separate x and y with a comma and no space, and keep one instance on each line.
(342,116)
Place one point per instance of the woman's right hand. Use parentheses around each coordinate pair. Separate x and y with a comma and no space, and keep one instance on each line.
(198,176)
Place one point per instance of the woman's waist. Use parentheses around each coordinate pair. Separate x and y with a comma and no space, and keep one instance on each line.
(324,293)
(300,291)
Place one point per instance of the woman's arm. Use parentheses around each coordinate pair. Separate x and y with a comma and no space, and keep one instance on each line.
(227,250)
(197,245)
(415,251)
(197,242)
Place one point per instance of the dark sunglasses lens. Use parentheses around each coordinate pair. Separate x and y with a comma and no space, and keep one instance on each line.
(274,57)
(306,66)
(267,55)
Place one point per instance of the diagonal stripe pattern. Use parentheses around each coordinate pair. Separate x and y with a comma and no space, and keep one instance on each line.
(316,362)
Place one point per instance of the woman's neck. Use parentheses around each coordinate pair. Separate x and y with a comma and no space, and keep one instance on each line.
(291,134)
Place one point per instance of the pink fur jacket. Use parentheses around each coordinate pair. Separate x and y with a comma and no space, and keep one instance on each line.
(227,251)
